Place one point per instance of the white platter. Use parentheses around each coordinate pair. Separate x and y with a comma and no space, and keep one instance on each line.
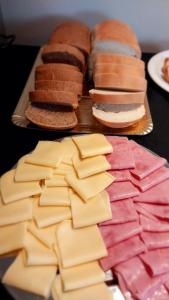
(154,67)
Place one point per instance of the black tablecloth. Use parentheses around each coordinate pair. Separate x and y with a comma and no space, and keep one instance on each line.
(15,65)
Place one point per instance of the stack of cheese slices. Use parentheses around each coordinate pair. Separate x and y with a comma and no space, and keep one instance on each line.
(118,75)
(59,80)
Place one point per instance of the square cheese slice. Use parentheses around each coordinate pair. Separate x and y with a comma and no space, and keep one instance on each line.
(70,150)
(98,291)
(50,215)
(36,279)
(90,186)
(78,246)
(90,166)
(96,210)
(37,254)
(63,169)
(47,235)
(16,212)
(92,144)
(57,196)
(81,276)
(13,191)
(47,153)
(56,181)
(29,172)
(12,237)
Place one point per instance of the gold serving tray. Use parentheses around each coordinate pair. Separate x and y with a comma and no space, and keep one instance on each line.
(86,122)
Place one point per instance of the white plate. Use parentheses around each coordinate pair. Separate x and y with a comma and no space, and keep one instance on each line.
(154,67)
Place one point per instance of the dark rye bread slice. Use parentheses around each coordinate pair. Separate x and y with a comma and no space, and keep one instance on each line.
(51,119)
(58,85)
(54,97)
(63,53)
(59,74)
(73,33)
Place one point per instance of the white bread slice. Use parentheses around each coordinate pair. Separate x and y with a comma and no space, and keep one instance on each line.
(107,57)
(121,117)
(119,81)
(115,68)
(116,97)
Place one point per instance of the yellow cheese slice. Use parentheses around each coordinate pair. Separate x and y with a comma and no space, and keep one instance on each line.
(90,166)
(57,196)
(56,180)
(12,237)
(36,279)
(50,215)
(90,186)
(47,153)
(1,202)
(70,150)
(82,275)
(78,246)
(47,235)
(37,253)
(16,212)
(63,169)
(94,211)
(92,144)
(95,292)
(13,191)
(29,172)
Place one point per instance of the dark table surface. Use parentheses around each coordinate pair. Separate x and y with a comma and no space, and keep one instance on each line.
(15,65)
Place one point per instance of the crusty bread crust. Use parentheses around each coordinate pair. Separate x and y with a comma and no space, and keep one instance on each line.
(116,68)
(119,81)
(51,119)
(54,97)
(112,97)
(73,33)
(63,53)
(58,85)
(59,74)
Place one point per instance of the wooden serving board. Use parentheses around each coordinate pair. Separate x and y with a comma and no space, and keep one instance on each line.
(86,122)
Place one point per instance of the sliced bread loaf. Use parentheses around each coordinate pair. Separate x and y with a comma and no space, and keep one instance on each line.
(58,85)
(118,68)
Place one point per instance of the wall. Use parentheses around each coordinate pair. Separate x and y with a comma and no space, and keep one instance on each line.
(32,21)
(2,29)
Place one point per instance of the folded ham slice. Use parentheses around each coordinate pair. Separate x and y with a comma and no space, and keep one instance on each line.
(122,212)
(114,234)
(117,158)
(145,162)
(160,211)
(155,240)
(142,211)
(122,190)
(158,194)
(153,225)
(122,252)
(157,261)
(151,180)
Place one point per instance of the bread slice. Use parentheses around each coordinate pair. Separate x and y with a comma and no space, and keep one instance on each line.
(73,33)
(54,97)
(59,74)
(56,66)
(115,97)
(58,85)
(116,68)
(119,81)
(112,58)
(63,53)
(48,119)
(122,116)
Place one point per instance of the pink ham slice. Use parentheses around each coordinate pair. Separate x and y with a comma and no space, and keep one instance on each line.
(121,175)
(122,212)
(157,261)
(122,252)
(126,293)
(151,180)
(155,240)
(114,234)
(117,158)
(158,194)
(159,211)
(145,162)
(137,279)
(141,211)
(153,225)
(122,190)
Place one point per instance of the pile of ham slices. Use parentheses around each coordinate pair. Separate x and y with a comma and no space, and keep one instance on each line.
(137,237)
